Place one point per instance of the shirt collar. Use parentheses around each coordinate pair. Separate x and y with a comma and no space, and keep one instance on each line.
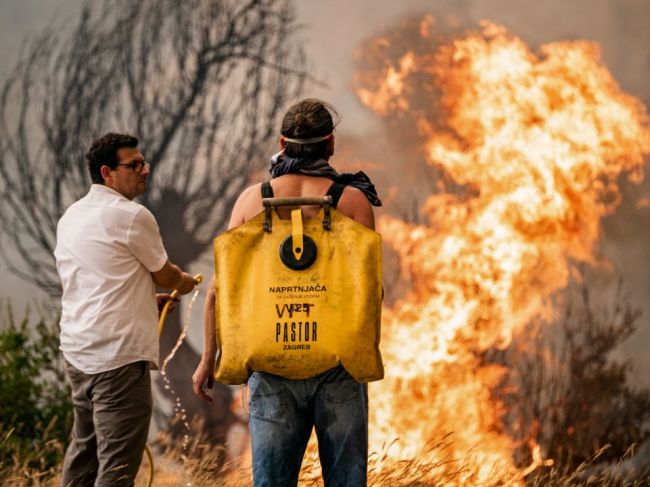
(102,189)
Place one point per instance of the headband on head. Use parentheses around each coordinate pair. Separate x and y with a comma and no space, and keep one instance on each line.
(313,140)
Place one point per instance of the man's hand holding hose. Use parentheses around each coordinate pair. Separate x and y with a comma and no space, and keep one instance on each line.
(171,277)
(187,283)
(163,298)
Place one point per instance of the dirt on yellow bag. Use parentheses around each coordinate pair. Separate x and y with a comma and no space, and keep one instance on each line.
(298,297)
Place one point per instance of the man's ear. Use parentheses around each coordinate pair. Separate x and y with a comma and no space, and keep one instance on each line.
(330,146)
(283,143)
(105,172)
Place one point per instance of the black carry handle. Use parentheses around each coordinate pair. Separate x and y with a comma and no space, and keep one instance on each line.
(324,201)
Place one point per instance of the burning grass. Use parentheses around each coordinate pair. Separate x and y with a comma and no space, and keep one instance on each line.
(208,470)
(205,472)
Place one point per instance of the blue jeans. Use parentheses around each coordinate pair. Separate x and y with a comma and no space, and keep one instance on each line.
(282,415)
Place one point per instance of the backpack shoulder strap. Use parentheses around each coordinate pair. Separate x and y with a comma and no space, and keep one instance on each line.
(267,190)
(335,191)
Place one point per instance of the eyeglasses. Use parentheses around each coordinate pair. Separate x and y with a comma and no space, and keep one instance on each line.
(136,166)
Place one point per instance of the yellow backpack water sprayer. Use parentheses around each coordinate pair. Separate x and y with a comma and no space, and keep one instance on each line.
(297,297)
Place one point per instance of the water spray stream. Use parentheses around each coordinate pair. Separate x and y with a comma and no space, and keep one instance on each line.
(178,408)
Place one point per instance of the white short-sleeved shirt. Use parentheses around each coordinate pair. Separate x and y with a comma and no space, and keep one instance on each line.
(106,249)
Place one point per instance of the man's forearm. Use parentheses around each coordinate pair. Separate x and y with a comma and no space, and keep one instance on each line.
(172,277)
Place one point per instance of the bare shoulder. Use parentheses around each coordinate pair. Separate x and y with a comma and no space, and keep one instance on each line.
(247,205)
(355,204)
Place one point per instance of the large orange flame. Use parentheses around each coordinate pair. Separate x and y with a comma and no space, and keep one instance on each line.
(536,143)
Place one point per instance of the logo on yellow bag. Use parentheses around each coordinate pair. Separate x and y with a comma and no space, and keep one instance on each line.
(293,332)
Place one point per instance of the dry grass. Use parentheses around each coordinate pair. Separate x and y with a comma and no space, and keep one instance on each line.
(170,473)
(205,467)
(207,471)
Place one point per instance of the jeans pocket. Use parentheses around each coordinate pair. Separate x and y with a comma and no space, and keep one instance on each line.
(268,401)
(341,391)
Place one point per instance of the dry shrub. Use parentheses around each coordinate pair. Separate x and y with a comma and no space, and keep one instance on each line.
(568,394)
(35,409)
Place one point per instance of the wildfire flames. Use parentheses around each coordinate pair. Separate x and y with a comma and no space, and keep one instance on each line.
(534,144)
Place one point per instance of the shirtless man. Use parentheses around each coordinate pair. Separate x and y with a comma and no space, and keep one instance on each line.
(333,402)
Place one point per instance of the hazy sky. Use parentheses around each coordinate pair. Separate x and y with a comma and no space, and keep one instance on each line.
(332,29)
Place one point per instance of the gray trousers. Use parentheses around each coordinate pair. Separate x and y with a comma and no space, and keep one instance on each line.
(112,411)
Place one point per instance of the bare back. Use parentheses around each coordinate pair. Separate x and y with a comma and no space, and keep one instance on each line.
(353,202)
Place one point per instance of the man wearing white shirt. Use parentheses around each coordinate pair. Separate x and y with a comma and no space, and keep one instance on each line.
(110,257)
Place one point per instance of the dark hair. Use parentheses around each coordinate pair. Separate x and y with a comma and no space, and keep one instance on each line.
(306,119)
(103,152)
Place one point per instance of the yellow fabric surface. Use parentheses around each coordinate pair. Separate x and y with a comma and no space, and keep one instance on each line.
(298,324)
